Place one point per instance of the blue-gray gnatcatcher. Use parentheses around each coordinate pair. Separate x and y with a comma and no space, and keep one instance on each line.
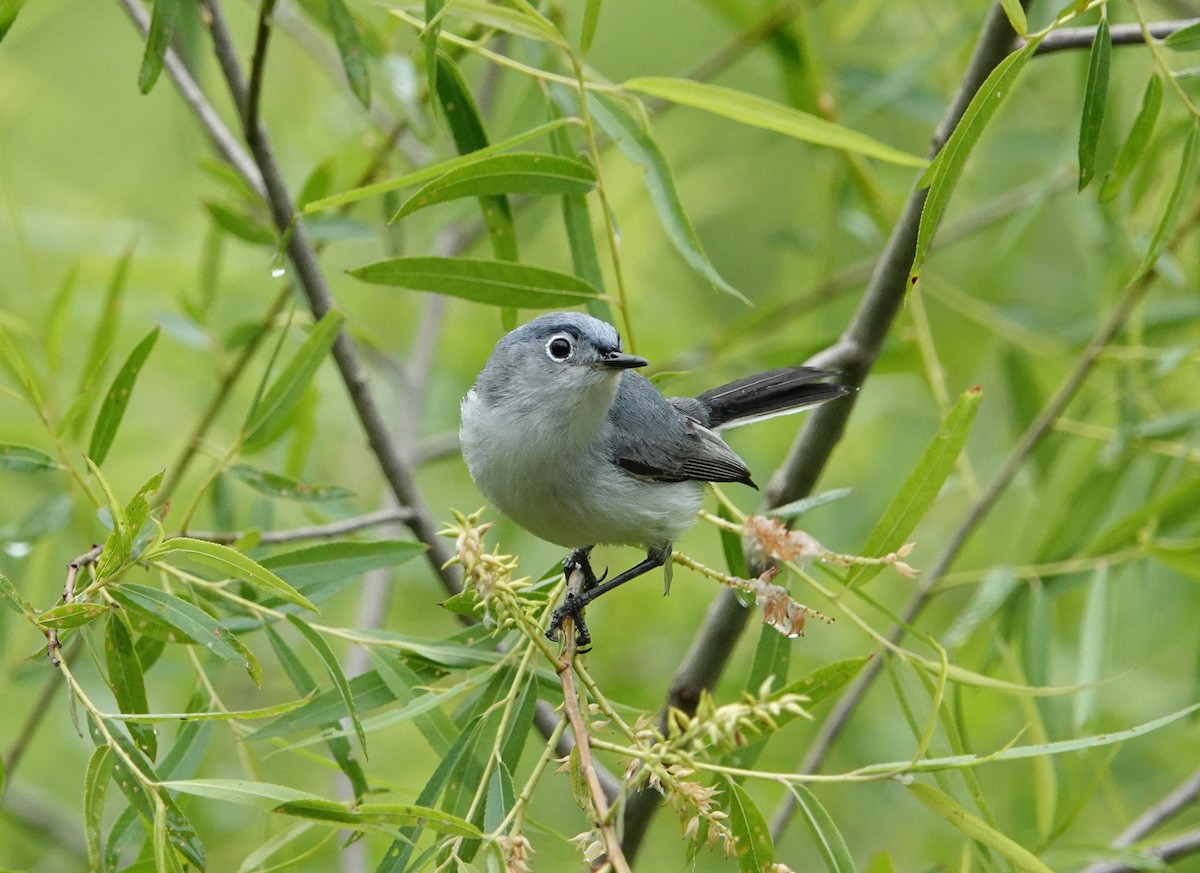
(571,444)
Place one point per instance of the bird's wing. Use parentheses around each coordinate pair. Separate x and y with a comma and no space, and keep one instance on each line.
(663,440)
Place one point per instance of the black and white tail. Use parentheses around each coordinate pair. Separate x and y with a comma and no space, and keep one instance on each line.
(768,394)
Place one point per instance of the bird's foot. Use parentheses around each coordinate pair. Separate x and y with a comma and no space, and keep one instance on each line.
(578,560)
(571,608)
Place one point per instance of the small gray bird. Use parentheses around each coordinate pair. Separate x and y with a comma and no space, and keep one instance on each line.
(571,444)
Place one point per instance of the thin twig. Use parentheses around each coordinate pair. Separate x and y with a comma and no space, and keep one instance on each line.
(1185,844)
(224,140)
(566,675)
(86,559)
(1121,34)
(258,65)
(399,514)
(1160,813)
(854,353)
(312,281)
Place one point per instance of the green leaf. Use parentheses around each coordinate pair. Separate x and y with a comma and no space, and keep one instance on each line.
(990,594)
(16,364)
(1095,97)
(263,795)
(239,224)
(1093,637)
(328,707)
(1183,182)
(327,562)
(498,283)
(1178,504)
(943,173)
(806,504)
(976,828)
(636,143)
(387,815)
(434,9)
(12,598)
(55,325)
(759,112)
(921,487)
(500,797)
(95,787)
(163,21)
(1186,39)
(24,459)
(577,222)
(466,125)
(350,48)
(830,842)
(519,173)
(120,544)
(433,171)
(524,22)
(329,659)
(117,399)
(753,847)
(591,17)
(103,338)
(1016,16)
(400,679)
(71,615)
(275,485)
(120,541)
(825,681)
(215,715)
(230,561)
(191,621)
(126,681)
(8,14)
(271,412)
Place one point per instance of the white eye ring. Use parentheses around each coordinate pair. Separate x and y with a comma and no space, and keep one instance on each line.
(560,348)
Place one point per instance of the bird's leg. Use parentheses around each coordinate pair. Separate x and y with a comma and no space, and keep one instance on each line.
(573,606)
(579,559)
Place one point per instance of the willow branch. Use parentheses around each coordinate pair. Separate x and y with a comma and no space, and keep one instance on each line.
(1168,850)
(399,514)
(1121,34)
(854,353)
(258,65)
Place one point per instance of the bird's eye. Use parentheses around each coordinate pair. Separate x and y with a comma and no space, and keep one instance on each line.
(559,348)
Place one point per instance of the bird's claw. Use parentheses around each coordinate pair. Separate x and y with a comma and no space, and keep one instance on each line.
(571,608)
(578,560)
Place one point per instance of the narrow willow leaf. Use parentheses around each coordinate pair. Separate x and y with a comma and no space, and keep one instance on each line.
(434,9)
(1016,16)
(24,459)
(350,49)
(759,112)
(754,849)
(830,842)
(990,594)
(215,715)
(283,395)
(8,14)
(520,723)
(368,690)
(1183,182)
(71,615)
(921,487)
(400,852)
(237,223)
(806,504)
(524,22)
(158,39)
(825,681)
(1095,97)
(943,173)
(329,659)
(164,858)
(314,565)
(1185,40)
(732,546)
(434,725)
(264,795)
(1177,504)
(275,485)
(498,283)
(636,143)
(519,173)
(1093,642)
(95,787)
(389,815)
(16,364)
(121,542)
(466,125)
(55,325)
(12,598)
(112,410)
(591,17)
(1020,753)
(419,177)
(103,338)
(191,621)
(126,681)
(976,828)
(339,747)
(229,561)
(577,222)
(500,798)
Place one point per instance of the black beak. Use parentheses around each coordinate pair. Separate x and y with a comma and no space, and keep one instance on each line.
(621,361)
